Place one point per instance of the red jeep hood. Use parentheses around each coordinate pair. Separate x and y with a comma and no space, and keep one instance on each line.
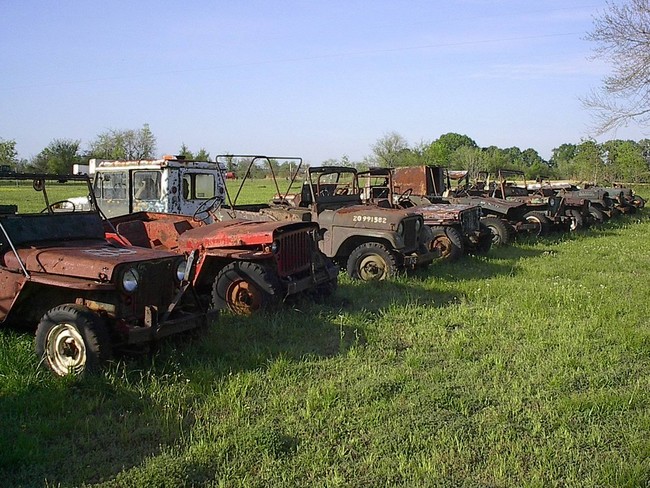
(93,260)
(234,233)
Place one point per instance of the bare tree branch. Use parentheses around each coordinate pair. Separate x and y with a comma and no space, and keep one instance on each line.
(622,35)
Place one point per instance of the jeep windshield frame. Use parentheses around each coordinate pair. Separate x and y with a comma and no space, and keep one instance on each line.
(254,159)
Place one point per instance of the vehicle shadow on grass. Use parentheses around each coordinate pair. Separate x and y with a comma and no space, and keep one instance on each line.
(67,431)
(235,343)
(71,431)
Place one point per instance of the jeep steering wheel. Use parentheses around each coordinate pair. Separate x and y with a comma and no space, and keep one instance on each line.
(406,194)
(50,207)
(206,207)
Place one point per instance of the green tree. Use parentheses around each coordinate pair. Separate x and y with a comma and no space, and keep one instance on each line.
(495,159)
(8,153)
(625,161)
(201,155)
(622,37)
(439,151)
(589,163)
(468,158)
(388,150)
(562,161)
(58,157)
(184,152)
(124,144)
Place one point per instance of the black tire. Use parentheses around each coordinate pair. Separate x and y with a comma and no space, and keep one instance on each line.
(576,221)
(542,221)
(597,214)
(501,235)
(72,340)
(484,242)
(371,261)
(245,287)
(614,213)
(638,201)
(449,243)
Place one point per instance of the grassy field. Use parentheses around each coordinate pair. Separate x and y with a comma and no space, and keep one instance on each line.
(528,367)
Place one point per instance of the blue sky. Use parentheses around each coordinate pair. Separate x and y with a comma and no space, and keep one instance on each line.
(297,78)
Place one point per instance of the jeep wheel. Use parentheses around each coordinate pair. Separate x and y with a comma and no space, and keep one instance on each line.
(499,230)
(484,243)
(449,243)
(541,221)
(597,215)
(244,288)
(371,262)
(576,222)
(72,340)
(638,201)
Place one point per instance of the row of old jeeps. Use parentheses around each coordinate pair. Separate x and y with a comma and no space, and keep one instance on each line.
(158,247)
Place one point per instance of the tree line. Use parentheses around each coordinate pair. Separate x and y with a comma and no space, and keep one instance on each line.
(589,161)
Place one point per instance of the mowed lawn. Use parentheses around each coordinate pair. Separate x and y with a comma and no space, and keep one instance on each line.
(528,367)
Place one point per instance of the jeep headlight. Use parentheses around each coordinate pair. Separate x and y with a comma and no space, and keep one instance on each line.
(181,269)
(275,247)
(400,228)
(418,226)
(130,279)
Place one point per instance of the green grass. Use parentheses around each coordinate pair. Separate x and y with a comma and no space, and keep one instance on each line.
(529,367)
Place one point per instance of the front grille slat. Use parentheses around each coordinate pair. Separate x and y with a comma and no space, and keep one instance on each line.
(410,234)
(295,252)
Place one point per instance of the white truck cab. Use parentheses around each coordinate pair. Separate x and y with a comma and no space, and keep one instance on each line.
(170,185)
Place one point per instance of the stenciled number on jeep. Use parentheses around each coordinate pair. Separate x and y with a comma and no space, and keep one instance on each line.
(369,219)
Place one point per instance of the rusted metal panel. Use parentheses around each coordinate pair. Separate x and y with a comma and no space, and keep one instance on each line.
(412,177)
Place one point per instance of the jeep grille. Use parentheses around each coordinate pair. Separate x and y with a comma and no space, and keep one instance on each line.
(153,274)
(410,234)
(294,254)
(470,220)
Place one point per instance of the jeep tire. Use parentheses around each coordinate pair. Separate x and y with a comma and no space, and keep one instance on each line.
(576,221)
(371,261)
(597,215)
(541,221)
(499,229)
(244,287)
(72,340)
(449,242)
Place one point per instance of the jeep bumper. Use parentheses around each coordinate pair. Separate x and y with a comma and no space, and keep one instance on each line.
(154,329)
(318,277)
(416,260)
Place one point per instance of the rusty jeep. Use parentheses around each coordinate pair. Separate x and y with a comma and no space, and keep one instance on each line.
(369,241)
(504,219)
(241,265)
(457,228)
(83,295)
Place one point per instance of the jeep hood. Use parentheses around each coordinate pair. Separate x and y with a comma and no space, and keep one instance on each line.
(365,217)
(92,260)
(441,211)
(237,233)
